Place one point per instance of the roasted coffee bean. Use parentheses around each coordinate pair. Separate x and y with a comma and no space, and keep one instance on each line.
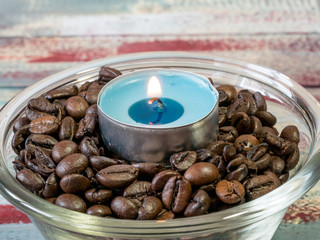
(229,152)
(255,127)
(42,104)
(74,183)
(199,204)
(84,87)
(260,101)
(263,162)
(18,140)
(148,170)
(183,160)
(76,107)
(99,210)
(34,114)
(150,209)
(293,159)
(259,186)
(68,128)
(176,194)
(161,178)
(203,155)
(245,94)
(284,177)
(222,118)
(266,118)
(257,151)
(44,125)
(117,176)
(279,145)
(46,142)
(51,188)
(291,134)
(228,134)
(74,163)
(230,192)
(239,105)
(245,142)
(239,173)
(106,74)
(19,123)
(30,180)
(217,147)
(223,97)
(165,215)
(137,189)
(72,202)
(277,165)
(88,147)
(100,162)
(51,200)
(98,196)
(63,149)
(228,90)
(274,178)
(241,122)
(124,208)
(91,95)
(201,173)
(64,92)
(269,130)
(252,167)
(44,162)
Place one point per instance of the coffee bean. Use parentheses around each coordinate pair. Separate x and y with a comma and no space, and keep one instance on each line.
(106,74)
(148,170)
(34,114)
(165,215)
(245,94)
(64,92)
(76,107)
(229,91)
(230,192)
(257,151)
(266,118)
(124,208)
(51,188)
(74,163)
(261,102)
(30,180)
(88,147)
(72,202)
(259,186)
(137,189)
(217,147)
(44,125)
(42,104)
(274,178)
(239,173)
(117,176)
(46,142)
(293,159)
(199,204)
(183,160)
(150,209)
(229,152)
(239,105)
(284,177)
(255,127)
(74,183)
(99,210)
(241,122)
(264,161)
(291,134)
(19,123)
(245,142)
(277,165)
(100,162)
(201,173)
(67,129)
(176,194)
(98,196)
(62,149)
(18,140)
(228,134)
(161,178)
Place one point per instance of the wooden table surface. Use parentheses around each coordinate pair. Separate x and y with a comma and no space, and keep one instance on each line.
(38,39)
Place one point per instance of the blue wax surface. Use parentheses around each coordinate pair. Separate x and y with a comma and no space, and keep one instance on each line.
(192,91)
(143,112)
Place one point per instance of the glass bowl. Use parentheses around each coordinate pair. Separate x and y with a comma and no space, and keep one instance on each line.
(257,219)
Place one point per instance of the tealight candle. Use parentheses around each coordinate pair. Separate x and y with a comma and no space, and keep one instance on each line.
(149,114)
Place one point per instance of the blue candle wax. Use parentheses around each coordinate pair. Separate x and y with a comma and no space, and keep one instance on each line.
(187,98)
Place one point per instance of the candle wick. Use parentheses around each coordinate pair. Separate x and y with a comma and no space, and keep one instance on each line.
(160,106)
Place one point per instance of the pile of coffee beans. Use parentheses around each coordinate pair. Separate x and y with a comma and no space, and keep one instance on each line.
(61,158)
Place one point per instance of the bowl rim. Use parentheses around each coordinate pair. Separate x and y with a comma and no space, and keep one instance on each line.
(270,204)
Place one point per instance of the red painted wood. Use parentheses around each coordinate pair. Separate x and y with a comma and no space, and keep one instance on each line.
(9,214)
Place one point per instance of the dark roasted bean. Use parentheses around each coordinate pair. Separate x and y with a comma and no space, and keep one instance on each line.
(259,186)
(261,102)
(51,188)
(74,163)
(239,174)
(239,105)
(30,180)
(100,162)
(42,104)
(266,118)
(245,142)
(277,165)
(46,142)
(217,147)
(229,91)
(137,189)
(255,127)
(227,133)
(18,140)
(150,209)
(62,149)
(98,196)
(124,208)
(44,125)
(88,147)
(72,202)
(183,160)
(229,152)
(291,134)
(230,192)
(199,204)
(293,159)
(64,92)
(165,215)
(19,123)
(241,122)
(117,176)
(74,183)
(148,170)
(176,194)
(106,74)
(161,178)
(201,173)
(274,178)
(99,210)
(67,129)
(34,114)
(76,107)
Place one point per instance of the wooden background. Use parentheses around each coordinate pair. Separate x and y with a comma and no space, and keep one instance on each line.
(39,38)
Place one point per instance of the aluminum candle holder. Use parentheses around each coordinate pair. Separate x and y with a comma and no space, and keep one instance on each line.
(147,115)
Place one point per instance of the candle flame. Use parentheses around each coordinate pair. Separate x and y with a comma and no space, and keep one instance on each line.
(154,87)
